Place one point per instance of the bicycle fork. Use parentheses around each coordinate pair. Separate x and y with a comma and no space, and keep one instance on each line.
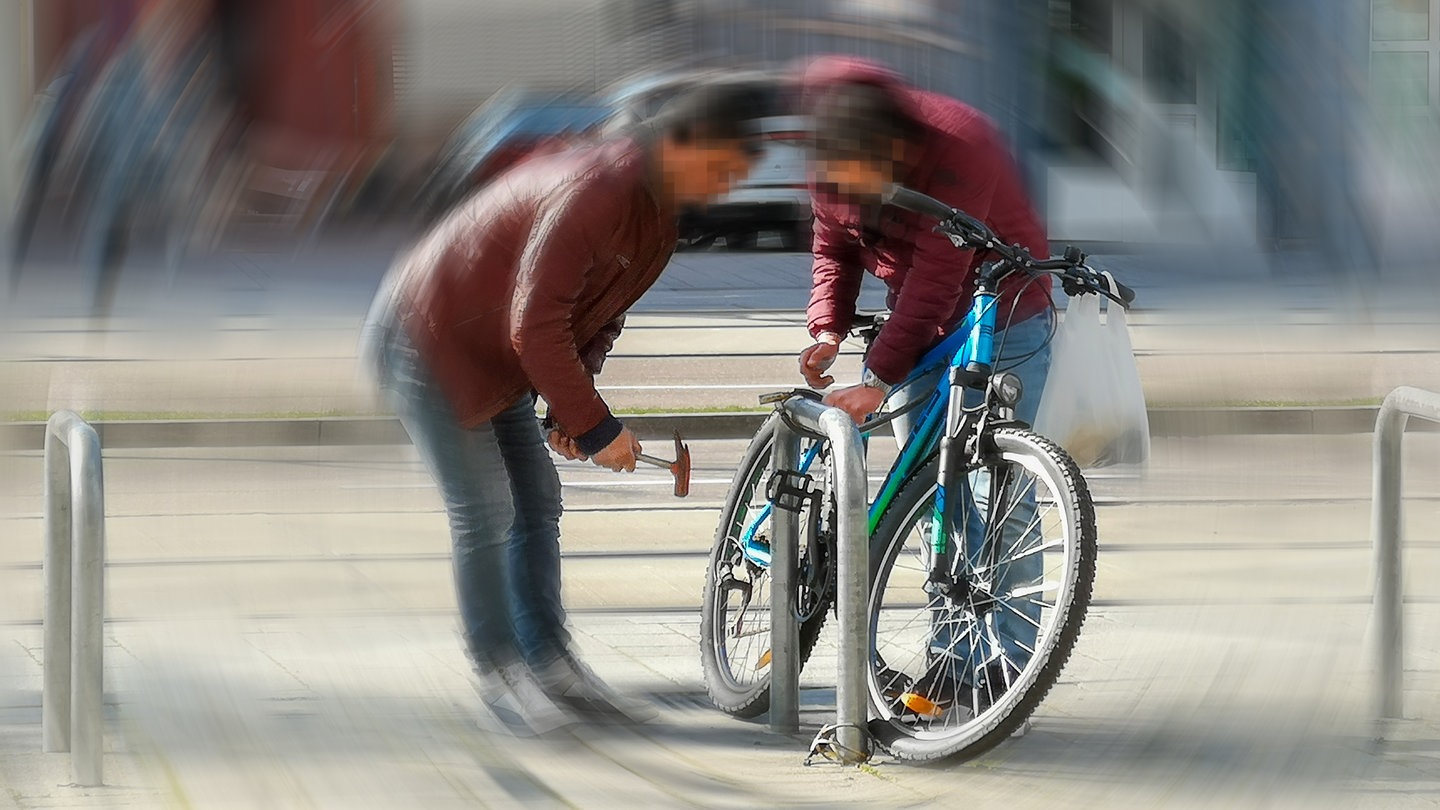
(940,581)
(958,444)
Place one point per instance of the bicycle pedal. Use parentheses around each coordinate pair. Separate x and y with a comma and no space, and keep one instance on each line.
(792,491)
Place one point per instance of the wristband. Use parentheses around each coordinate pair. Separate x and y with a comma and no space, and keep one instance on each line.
(869,380)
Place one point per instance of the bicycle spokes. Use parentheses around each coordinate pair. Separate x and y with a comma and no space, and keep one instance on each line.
(955,630)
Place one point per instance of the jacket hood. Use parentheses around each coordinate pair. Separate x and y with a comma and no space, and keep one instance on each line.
(828,71)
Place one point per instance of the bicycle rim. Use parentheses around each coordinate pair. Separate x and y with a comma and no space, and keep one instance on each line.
(956,673)
(735,614)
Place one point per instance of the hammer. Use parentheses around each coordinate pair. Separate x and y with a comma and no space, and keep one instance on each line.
(680,467)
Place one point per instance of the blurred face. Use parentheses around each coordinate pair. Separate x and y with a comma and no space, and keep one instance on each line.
(698,171)
(857,176)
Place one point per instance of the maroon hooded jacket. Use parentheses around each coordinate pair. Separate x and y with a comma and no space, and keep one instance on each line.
(961,160)
(524,286)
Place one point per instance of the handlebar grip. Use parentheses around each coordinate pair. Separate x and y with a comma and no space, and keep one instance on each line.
(912,200)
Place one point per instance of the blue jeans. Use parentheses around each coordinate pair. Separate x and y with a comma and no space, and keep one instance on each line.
(502,496)
(1022,349)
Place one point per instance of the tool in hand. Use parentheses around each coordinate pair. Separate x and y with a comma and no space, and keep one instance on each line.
(680,467)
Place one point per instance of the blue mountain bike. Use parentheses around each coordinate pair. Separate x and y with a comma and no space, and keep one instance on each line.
(982,539)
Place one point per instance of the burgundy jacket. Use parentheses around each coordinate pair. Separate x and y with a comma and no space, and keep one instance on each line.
(524,286)
(961,161)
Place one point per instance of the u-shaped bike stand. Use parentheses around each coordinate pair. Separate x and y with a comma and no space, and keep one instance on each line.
(851,744)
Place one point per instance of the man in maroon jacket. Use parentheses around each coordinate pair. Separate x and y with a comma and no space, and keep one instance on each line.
(872,130)
(518,292)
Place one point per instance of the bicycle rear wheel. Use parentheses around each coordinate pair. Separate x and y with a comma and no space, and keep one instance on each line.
(957,669)
(735,612)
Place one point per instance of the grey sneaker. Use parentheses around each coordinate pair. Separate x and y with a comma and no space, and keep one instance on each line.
(518,703)
(574,686)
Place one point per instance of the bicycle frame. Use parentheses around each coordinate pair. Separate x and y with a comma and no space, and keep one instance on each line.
(969,353)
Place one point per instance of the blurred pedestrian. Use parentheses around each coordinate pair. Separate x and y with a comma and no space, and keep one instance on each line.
(147,136)
(518,293)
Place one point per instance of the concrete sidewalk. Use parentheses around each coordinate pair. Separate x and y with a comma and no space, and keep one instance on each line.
(280,625)
(281,634)
(376,711)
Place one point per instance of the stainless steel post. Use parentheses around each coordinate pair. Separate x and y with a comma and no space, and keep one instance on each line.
(74,577)
(1386,527)
(853,569)
(784,631)
(1386,522)
(87,611)
(55,692)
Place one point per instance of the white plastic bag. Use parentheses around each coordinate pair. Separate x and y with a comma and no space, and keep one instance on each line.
(1093,405)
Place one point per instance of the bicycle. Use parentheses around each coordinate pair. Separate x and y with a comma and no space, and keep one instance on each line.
(982,539)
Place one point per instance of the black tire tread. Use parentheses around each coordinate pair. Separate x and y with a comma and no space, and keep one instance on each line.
(1069,630)
(755,701)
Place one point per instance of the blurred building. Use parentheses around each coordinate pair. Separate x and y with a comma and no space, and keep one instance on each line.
(1135,120)
(452,55)
(316,70)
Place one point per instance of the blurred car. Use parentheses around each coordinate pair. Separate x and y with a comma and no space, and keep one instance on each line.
(773,199)
(513,125)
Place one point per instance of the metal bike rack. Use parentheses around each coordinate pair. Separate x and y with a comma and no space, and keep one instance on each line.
(1399,406)
(852,575)
(74,595)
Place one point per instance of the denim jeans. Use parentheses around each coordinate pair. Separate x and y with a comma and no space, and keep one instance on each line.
(502,495)
(1022,349)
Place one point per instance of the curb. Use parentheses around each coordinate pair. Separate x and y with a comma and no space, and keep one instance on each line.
(350,431)
(334,431)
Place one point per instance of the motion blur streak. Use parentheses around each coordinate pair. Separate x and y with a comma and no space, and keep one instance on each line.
(201,197)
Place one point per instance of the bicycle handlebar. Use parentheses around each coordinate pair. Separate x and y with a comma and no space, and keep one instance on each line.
(912,200)
(975,233)
(952,220)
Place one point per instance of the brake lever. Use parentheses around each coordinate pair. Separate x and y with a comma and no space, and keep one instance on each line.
(1085,282)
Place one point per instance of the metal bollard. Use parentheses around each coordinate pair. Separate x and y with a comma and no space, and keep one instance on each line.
(1386,524)
(852,574)
(784,631)
(73,691)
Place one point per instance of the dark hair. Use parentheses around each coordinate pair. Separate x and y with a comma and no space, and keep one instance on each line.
(716,110)
(856,121)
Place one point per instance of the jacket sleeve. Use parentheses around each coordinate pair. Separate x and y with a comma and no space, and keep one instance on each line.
(938,276)
(549,280)
(836,275)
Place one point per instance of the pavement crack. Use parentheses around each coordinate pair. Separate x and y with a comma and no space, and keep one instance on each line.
(281,666)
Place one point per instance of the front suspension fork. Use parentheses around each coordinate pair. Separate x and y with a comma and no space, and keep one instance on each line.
(954,449)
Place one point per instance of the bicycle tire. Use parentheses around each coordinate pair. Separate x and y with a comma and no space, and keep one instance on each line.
(978,718)
(732,692)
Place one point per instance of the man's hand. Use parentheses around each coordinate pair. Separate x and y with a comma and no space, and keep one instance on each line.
(566,446)
(858,400)
(619,454)
(816,359)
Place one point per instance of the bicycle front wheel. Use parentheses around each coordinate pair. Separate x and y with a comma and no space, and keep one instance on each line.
(964,650)
(735,649)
